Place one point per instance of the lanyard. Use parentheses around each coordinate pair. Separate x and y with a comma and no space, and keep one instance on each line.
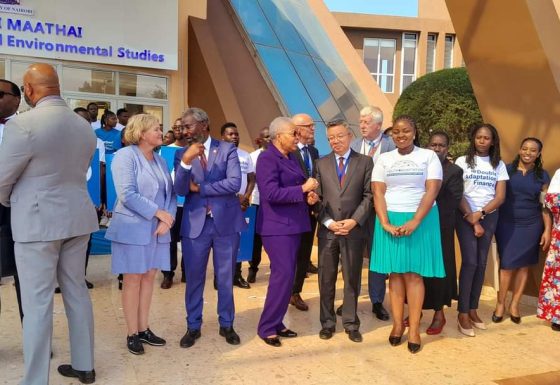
(339,172)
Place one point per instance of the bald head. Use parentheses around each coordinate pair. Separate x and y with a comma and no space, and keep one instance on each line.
(305,128)
(40,80)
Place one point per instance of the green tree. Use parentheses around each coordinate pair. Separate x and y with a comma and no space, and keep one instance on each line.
(442,101)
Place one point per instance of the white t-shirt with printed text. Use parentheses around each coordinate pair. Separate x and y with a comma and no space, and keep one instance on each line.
(255,197)
(246,168)
(480,181)
(405,177)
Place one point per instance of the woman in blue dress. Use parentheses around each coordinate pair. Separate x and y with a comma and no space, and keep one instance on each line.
(139,231)
(523,225)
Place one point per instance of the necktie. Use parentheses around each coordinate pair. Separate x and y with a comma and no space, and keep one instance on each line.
(372,148)
(307,160)
(203,161)
(341,170)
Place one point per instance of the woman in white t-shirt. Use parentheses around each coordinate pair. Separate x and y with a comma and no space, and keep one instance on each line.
(406,240)
(484,176)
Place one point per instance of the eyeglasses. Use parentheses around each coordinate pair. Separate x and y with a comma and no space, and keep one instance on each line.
(337,137)
(2,93)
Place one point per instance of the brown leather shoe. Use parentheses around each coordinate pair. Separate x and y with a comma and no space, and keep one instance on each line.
(167,282)
(299,303)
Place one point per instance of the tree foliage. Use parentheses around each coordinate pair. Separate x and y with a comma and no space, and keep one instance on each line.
(442,101)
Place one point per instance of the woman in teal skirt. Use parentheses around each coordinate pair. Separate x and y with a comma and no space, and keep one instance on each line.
(406,241)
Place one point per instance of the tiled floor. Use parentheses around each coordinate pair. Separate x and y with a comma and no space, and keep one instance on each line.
(504,351)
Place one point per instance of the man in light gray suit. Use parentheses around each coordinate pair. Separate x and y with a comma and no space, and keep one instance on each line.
(373,143)
(44,158)
(345,205)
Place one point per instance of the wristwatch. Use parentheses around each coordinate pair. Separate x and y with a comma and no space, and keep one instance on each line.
(483,214)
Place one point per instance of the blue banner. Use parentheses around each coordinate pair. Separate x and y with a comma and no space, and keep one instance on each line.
(245,252)
(94,180)
(109,183)
(168,154)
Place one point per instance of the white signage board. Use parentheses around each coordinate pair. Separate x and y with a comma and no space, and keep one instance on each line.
(139,33)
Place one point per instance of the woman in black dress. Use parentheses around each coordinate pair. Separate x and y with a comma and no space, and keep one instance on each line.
(440,291)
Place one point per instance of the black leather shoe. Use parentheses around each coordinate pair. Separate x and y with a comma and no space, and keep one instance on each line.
(287,333)
(57,290)
(497,319)
(395,340)
(354,335)
(134,344)
(339,311)
(414,348)
(555,327)
(189,338)
(380,311)
(230,335)
(150,338)
(89,284)
(84,376)
(167,282)
(252,277)
(241,283)
(312,269)
(326,333)
(183,278)
(274,341)
(515,319)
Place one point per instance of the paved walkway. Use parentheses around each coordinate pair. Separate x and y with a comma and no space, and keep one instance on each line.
(502,352)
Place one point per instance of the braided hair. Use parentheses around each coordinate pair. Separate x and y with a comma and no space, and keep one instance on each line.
(538,169)
(493,152)
(410,120)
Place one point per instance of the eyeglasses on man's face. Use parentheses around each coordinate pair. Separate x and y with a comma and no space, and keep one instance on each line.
(337,138)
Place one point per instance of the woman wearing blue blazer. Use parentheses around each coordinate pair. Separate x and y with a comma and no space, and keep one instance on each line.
(139,230)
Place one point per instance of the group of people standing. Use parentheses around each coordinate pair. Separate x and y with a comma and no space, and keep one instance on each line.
(380,197)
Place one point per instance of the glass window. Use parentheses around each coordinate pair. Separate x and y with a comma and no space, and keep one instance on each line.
(431,53)
(287,82)
(134,109)
(142,86)
(408,60)
(255,22)
(102,105)
(315,85)
(87,80)
(307,72)
(381,66)
(448,54)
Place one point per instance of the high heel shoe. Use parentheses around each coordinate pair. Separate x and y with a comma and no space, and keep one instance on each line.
(395,340)
(479,325)
(467,332)
(515,319)
(414,348)
(497,319)
(434,331)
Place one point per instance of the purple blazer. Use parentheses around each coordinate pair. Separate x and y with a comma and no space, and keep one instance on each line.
(283,207)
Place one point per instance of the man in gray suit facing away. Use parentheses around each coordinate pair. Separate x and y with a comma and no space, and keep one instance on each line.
(44,158)
(373,143)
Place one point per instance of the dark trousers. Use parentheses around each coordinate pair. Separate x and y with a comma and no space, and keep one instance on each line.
(282,252)
(175,238)
(257,249)
(474,254)
(304,256)
(350,254)
(224,250)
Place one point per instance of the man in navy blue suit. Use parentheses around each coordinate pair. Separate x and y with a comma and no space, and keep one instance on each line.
(208,174)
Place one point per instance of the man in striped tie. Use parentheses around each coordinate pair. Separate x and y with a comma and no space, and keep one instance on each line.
(373,143)
(344,208)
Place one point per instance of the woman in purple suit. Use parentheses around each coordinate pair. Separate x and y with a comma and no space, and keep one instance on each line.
(283,216)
